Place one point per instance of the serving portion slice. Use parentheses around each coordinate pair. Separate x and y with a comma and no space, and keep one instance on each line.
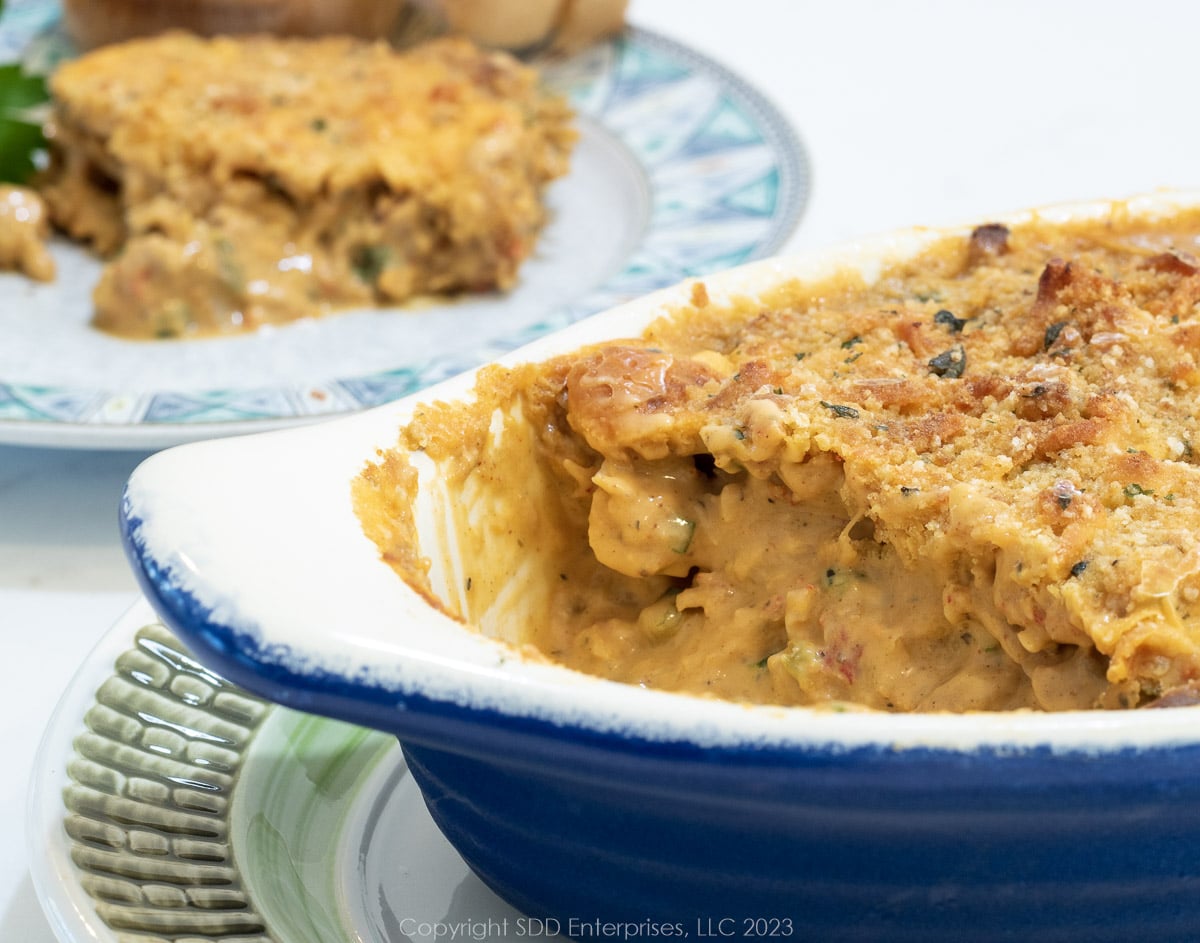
(236,182)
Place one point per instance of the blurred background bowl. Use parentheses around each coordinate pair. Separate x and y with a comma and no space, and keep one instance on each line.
(519,26)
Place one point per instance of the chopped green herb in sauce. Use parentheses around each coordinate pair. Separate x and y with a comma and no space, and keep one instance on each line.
(949,320)
(949,364)
(369,262)
(1052,333)
(842,412)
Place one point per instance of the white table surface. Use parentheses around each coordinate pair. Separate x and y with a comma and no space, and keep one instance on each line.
(935,112)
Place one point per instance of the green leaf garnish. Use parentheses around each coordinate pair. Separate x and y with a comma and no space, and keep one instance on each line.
(21,137)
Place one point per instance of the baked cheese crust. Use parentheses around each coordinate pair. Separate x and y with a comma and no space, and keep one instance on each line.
(973,484)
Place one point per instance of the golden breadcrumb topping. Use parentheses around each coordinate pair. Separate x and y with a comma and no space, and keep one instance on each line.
(971,484)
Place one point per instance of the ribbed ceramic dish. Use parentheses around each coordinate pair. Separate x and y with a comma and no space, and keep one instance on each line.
(579,799)
(169,804)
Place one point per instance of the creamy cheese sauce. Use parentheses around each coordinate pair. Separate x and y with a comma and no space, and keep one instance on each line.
(774,597)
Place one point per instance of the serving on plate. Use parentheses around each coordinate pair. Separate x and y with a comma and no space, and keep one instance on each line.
(232,183)
(680,168)
(579,798)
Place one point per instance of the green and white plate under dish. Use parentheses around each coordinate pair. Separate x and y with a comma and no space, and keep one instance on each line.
(169,805)
(681,169)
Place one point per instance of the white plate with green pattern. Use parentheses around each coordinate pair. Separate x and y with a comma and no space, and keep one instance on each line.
(169,805)
(682,169)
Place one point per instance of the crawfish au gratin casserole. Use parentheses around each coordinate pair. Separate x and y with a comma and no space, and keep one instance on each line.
(237,182)
(972,483)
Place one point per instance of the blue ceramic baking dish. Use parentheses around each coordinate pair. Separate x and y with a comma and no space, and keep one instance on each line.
(612,810)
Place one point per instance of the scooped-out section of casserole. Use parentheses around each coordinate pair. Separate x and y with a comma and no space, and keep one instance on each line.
(967,483)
